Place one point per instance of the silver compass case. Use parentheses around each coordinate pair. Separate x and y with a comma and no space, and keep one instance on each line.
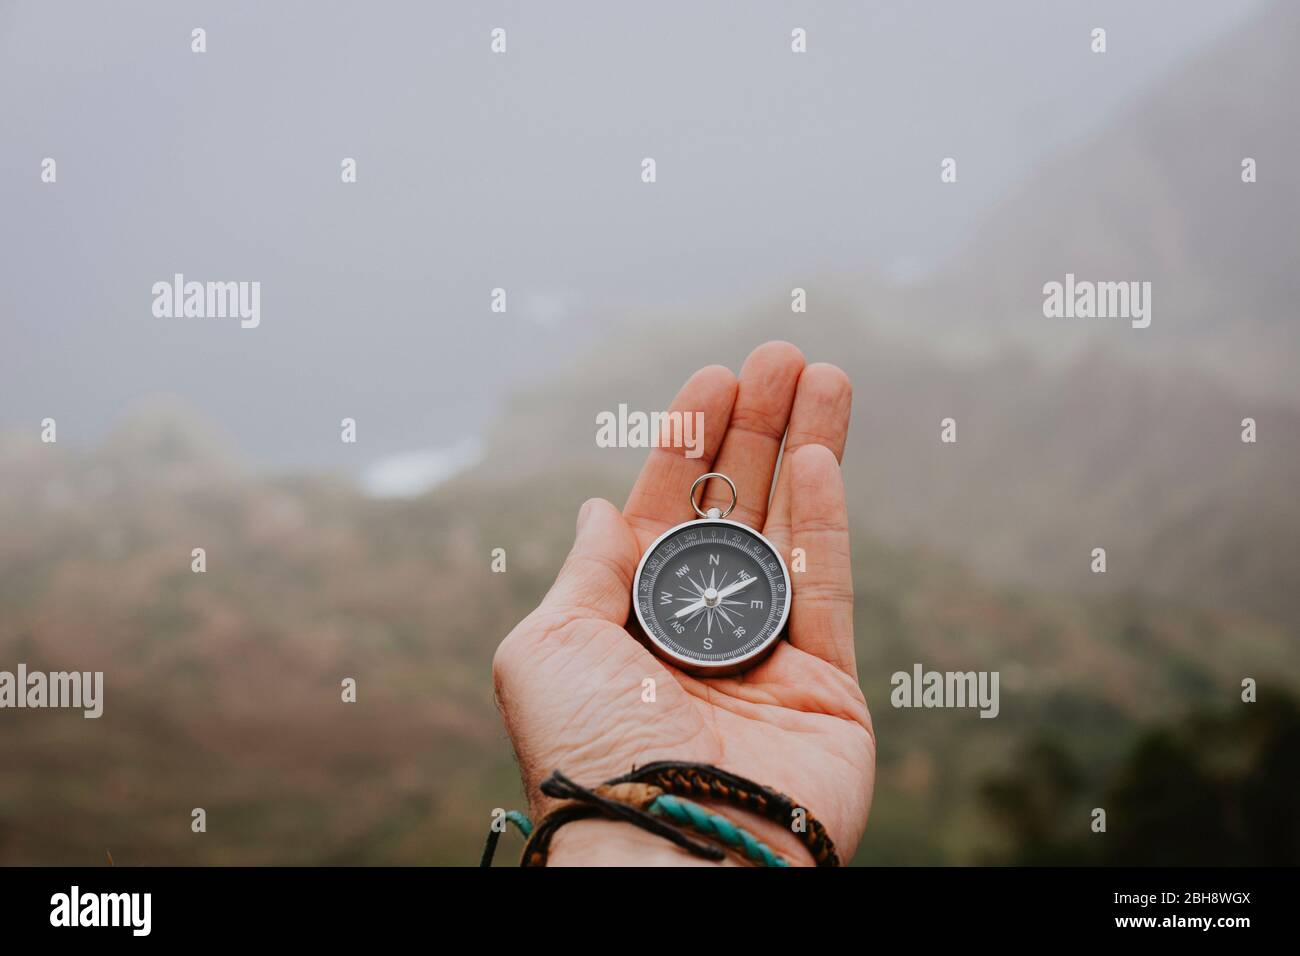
(712,596)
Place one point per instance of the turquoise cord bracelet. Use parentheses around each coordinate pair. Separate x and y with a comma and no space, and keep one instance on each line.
(684,813)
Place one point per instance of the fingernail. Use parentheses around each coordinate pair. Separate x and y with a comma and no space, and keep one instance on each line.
(585,512)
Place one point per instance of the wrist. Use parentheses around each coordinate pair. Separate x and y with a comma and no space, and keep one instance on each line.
(603,842)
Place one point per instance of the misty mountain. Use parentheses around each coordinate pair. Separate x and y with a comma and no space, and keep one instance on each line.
(1157,195)
(1050,462)
(1072,433)
(222,687)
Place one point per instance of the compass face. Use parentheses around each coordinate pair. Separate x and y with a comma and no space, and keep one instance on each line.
(712,595)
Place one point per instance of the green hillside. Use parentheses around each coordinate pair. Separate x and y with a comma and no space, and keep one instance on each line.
(222,689)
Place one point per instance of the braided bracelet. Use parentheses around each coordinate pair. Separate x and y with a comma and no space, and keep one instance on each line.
(653,798)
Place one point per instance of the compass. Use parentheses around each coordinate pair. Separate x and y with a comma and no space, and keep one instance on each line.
(712,595)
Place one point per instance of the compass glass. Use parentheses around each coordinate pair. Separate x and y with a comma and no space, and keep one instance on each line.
(712,593)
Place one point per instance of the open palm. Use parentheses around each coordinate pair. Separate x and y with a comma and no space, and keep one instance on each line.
(571,680)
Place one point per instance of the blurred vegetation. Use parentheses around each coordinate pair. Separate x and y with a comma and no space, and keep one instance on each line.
(222,689)
(1218,789)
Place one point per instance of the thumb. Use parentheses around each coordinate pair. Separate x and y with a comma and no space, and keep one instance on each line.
(597,575)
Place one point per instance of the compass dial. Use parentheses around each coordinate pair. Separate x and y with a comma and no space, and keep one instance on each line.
(712,595)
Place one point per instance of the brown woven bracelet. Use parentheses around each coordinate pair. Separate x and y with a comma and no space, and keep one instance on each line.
(601,802)
(704,781)
(700,781)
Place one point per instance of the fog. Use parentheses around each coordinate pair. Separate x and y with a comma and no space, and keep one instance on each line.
(477,171)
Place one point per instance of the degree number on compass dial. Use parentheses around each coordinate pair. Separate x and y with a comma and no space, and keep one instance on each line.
(712,595)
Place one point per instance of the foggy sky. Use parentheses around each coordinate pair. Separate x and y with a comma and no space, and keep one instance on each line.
(477,171)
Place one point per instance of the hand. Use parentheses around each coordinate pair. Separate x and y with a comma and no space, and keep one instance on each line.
(569,678)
